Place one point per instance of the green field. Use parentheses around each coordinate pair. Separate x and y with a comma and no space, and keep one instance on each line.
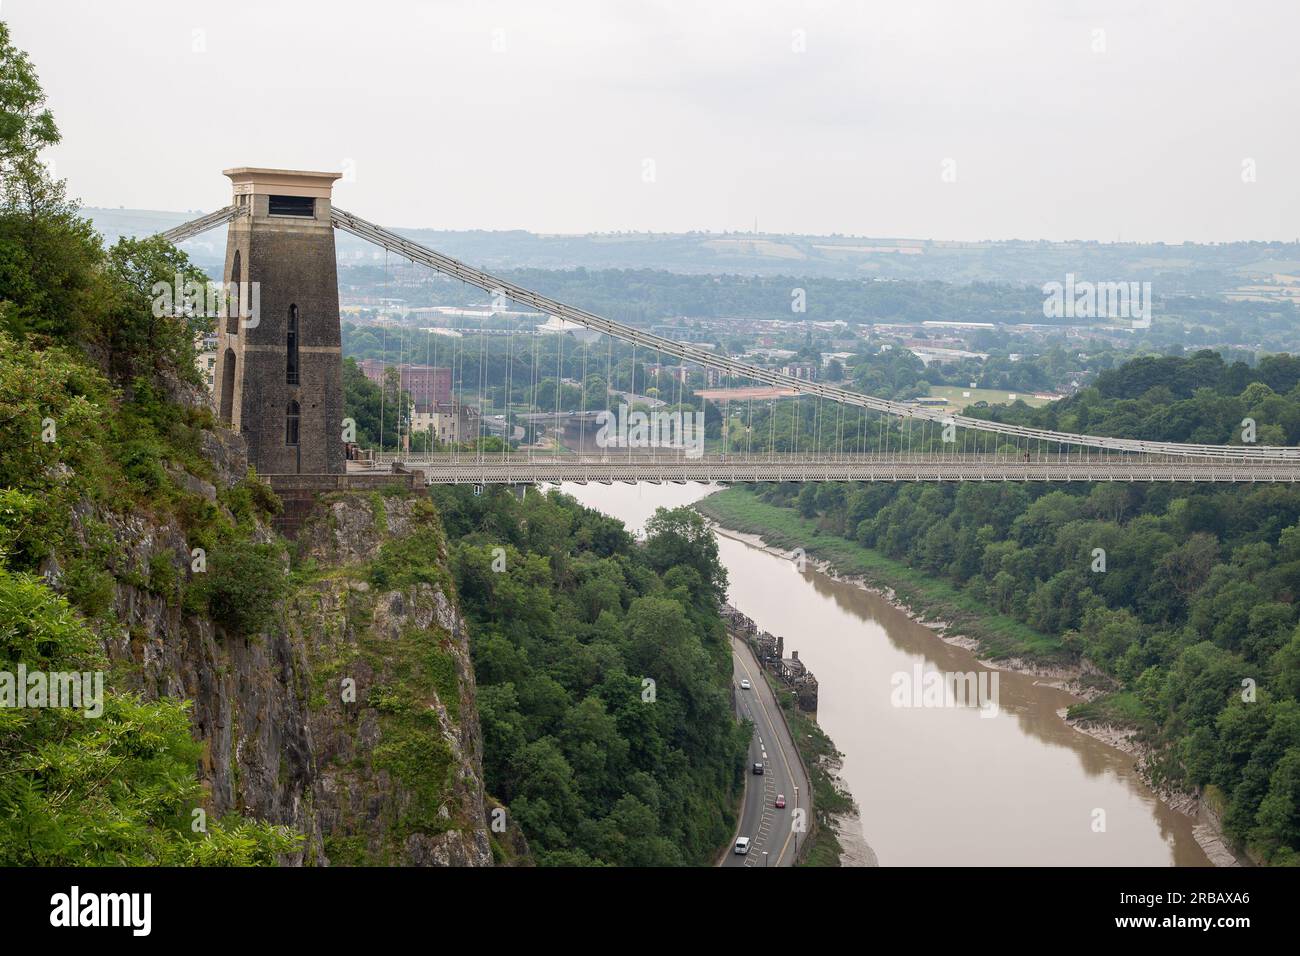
(998,634)
(957,400)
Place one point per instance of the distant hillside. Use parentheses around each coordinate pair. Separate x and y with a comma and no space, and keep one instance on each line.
(1178,268)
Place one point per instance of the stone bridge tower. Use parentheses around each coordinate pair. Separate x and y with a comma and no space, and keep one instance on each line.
(279,378)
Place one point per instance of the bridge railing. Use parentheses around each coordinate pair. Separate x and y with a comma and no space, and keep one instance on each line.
(663,455)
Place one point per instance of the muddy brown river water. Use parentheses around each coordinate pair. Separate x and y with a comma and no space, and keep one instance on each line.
(938,785)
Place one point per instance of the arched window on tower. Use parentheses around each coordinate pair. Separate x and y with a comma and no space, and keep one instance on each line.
(291,418)
(228,386)
(232,316)
(291,348)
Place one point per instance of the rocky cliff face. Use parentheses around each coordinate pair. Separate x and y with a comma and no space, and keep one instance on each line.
(392,710)
(351,718)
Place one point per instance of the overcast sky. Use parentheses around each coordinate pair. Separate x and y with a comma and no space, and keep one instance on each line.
(1095,120)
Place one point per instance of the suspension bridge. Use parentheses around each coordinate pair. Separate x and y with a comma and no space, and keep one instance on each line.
(815,431)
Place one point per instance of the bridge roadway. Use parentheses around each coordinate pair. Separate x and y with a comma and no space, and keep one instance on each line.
(735,469)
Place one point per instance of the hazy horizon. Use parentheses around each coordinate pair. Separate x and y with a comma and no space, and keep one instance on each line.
(415,227)
(937,121)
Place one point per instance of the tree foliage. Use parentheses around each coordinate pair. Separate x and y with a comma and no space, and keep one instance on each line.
(113,789)
(603,672)
(90,425)
(1199,587)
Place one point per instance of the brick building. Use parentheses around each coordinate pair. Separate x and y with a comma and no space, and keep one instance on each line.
(428,386)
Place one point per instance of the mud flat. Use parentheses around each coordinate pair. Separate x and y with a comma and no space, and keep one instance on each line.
(1208,831)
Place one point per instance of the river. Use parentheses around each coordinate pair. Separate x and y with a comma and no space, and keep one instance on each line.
(938,785)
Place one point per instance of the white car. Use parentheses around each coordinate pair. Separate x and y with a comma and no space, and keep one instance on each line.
(744,683)
(742,846)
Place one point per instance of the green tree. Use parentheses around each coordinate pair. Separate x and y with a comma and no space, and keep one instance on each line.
(114,789)
(603,678)
(680,537)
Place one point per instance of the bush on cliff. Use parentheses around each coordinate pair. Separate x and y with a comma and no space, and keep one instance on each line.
(111,781)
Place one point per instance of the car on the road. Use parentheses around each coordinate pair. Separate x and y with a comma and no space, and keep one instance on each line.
(742,846)
(744,683)
(780,801)
(758,768)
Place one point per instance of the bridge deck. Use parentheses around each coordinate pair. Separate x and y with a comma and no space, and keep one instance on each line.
(738,470)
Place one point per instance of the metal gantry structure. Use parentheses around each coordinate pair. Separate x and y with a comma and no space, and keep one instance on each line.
(891,440)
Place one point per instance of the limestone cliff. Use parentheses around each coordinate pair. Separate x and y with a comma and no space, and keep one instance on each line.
(391,707)
(351,716)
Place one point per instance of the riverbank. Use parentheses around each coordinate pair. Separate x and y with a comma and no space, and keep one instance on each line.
(998,635)
(999,642)
(838,839)
(835,837)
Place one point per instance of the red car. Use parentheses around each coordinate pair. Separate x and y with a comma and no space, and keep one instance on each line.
(780,801)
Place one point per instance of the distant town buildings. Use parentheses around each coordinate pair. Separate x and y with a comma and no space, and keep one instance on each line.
(941,355)
(681,333)
(433,410)
(555,325)
(808,371)
(447,422)
(205,359)
(841,357)
(426,384)
(684,373)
